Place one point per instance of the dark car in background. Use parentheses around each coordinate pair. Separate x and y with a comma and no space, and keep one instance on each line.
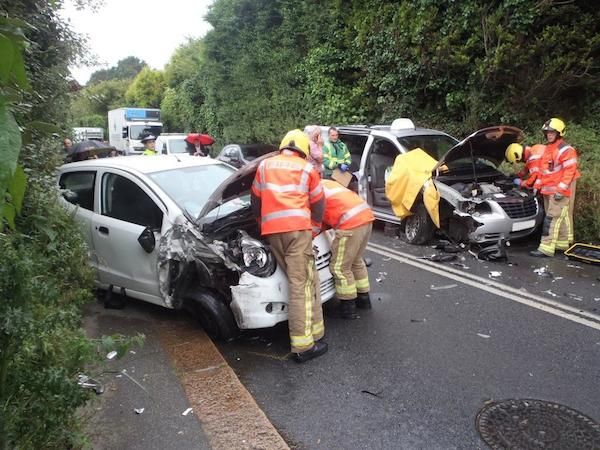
(240,154)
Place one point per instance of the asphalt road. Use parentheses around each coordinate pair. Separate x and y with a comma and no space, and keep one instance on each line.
(440,341)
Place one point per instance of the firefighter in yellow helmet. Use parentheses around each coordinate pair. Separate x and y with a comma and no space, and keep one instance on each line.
(532,158)
(287,199)
(558,178)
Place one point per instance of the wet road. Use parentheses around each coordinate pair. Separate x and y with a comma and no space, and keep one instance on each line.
(440,341)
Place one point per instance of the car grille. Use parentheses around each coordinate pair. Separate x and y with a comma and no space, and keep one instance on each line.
(518,209)
(323,260)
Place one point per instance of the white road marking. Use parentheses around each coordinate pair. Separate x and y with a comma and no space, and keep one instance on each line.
(535,301)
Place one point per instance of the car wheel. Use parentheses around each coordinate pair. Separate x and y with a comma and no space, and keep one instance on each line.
(418,229)
(214,316)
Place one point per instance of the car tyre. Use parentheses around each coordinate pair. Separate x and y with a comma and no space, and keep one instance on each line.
(214,316)
(418,229)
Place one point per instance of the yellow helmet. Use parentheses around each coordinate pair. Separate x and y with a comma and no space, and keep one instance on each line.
(514,153)
(555,124)
(296,140)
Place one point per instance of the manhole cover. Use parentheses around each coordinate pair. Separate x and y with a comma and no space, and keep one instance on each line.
(536,424)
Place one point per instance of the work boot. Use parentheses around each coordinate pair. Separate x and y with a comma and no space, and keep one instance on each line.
(318,349)
(347,310)
(363,301)
(538,254)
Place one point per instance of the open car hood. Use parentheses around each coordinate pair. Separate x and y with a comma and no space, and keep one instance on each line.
(488,143)
(237,185)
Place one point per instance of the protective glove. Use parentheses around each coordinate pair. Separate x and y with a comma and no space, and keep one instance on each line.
(558,196)
(343,167)
(517,182)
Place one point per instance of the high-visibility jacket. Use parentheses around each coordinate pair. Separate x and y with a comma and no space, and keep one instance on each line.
(344,209)
(533,163)
(288,194)
(559,168)
(334,155)
(150,152)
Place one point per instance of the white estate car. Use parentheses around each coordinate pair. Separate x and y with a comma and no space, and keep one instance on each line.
(177,231)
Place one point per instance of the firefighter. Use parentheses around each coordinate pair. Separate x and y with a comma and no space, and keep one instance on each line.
(558,174)
(352,219)
(532,157)
(149,142)
(287,199)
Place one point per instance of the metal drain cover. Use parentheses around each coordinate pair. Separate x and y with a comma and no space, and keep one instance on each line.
(536,424)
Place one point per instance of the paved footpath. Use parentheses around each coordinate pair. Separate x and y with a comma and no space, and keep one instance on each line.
(177,368)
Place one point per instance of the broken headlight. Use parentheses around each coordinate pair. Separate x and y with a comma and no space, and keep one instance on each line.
(474,208)
(256,258)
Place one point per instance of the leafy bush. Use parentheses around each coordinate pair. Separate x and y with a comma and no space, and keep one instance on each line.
(44,281)
(587,199)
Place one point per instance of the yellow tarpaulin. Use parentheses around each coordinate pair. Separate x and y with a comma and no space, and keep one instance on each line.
(410,173)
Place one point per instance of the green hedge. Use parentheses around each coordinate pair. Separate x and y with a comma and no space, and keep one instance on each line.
(44,281)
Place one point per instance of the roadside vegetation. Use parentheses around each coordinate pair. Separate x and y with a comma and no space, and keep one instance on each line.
(266,67)
(45,278)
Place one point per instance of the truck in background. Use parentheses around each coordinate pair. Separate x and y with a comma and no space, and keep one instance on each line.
(127,126)
(88,134)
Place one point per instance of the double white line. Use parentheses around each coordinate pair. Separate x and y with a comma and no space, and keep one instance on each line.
(535,301)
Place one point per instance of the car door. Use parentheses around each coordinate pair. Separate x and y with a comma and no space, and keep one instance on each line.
(127,208)
(78,195)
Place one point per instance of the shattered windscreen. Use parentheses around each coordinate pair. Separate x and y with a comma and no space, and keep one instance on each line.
(190,187)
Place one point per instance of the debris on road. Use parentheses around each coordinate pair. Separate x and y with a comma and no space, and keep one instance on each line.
(574,266)
(549,292)
(381,277)
(461,265)
(111,355)
(446,286)
(374,394)
(386,258)
(438,257)
(495,274)
(187,411)
(484,336)
(89,383)
(543,272)
(139,410)
(574,296)
(418,320)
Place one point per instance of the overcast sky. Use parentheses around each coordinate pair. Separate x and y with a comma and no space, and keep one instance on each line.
(148,29)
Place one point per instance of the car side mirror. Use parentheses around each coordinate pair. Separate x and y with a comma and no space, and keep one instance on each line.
(125,132)
(147,240)
(164,149)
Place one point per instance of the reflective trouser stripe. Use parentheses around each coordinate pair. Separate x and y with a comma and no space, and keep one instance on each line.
(362,285)
(347,265)
(548,243)
(318,328)
(293,252)
(343,287)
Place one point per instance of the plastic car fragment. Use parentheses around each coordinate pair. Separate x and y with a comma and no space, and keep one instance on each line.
(181,245)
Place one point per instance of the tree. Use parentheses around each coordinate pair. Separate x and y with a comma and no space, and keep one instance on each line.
(146,90)
(90,105)
(125,69)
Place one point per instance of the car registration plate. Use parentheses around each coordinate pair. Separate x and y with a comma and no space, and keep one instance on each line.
(518,226)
